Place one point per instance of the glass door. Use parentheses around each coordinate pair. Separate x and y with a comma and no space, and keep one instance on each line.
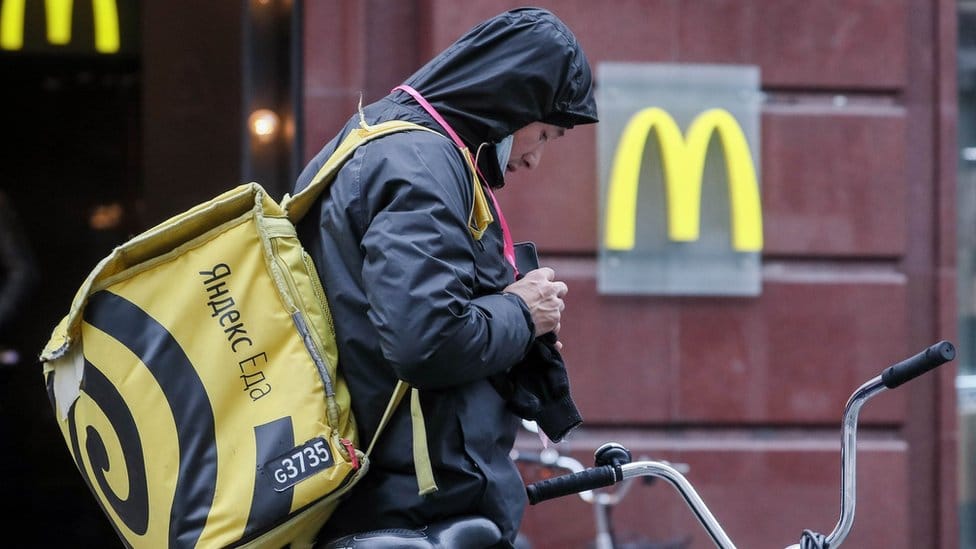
(966,238)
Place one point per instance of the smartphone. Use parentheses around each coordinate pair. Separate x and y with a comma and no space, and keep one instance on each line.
(526,257)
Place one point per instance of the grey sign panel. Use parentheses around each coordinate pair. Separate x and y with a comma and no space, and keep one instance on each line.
(670,119)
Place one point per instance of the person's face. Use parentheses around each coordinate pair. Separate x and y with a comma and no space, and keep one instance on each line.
(528,144)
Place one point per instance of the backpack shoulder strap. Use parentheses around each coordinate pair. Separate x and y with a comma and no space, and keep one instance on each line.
(421,455)
(298,205)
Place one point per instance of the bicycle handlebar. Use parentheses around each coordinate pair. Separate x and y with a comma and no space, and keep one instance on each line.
(564,485)
(910,368)
(892,377)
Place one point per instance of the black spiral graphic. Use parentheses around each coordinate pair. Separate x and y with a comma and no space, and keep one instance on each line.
(134,510)
(192,414)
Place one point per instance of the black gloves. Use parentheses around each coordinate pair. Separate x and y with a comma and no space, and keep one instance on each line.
(537,389)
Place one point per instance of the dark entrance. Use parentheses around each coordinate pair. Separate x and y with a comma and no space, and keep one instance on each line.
(71,168)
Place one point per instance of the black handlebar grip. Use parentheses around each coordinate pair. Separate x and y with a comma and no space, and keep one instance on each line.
(573,483)
(910,368)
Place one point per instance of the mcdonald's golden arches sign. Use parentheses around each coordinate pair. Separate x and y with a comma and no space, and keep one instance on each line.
(680,202)
(76,27)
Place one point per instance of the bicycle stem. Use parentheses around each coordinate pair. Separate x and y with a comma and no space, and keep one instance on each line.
(848,459)
(603,540)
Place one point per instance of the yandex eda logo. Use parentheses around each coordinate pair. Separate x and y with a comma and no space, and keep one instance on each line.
(683,163)
(58,24)
(678,155)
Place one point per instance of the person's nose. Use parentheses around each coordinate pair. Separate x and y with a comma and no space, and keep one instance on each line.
(532,159)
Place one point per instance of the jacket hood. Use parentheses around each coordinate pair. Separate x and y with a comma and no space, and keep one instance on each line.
(519,67)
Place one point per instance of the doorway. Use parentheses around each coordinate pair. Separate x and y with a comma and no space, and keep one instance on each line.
(966,241)
(70,169)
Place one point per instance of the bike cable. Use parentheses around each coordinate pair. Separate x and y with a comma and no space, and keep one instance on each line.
(813,540)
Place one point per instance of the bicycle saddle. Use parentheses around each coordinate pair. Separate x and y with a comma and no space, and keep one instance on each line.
(468,532)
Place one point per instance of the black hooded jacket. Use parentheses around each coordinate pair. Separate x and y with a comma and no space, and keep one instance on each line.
(414,296)
(517,68)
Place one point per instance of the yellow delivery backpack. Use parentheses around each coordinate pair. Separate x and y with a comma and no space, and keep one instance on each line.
(195,378)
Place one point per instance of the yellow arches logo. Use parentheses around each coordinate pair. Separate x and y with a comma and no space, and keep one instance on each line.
(683,163)
(58,20)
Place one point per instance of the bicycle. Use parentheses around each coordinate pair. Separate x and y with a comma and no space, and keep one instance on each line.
(617,468)
(613,465)
(550,460)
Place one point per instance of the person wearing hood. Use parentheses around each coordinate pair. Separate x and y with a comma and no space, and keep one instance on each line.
(418,269)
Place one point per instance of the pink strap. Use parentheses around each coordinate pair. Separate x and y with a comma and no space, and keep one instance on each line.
(506,234)
(509,249)
(432,112)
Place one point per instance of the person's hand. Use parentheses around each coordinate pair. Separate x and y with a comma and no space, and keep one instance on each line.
(544,297)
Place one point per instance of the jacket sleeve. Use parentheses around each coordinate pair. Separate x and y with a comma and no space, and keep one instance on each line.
(419,266)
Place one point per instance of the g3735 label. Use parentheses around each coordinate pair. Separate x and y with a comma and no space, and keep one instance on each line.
(299,463)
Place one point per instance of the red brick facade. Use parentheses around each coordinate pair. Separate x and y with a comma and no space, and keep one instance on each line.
(858,268)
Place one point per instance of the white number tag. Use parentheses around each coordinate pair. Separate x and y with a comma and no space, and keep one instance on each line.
(299,463)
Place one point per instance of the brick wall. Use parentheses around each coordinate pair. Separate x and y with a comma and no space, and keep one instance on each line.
(858,269)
